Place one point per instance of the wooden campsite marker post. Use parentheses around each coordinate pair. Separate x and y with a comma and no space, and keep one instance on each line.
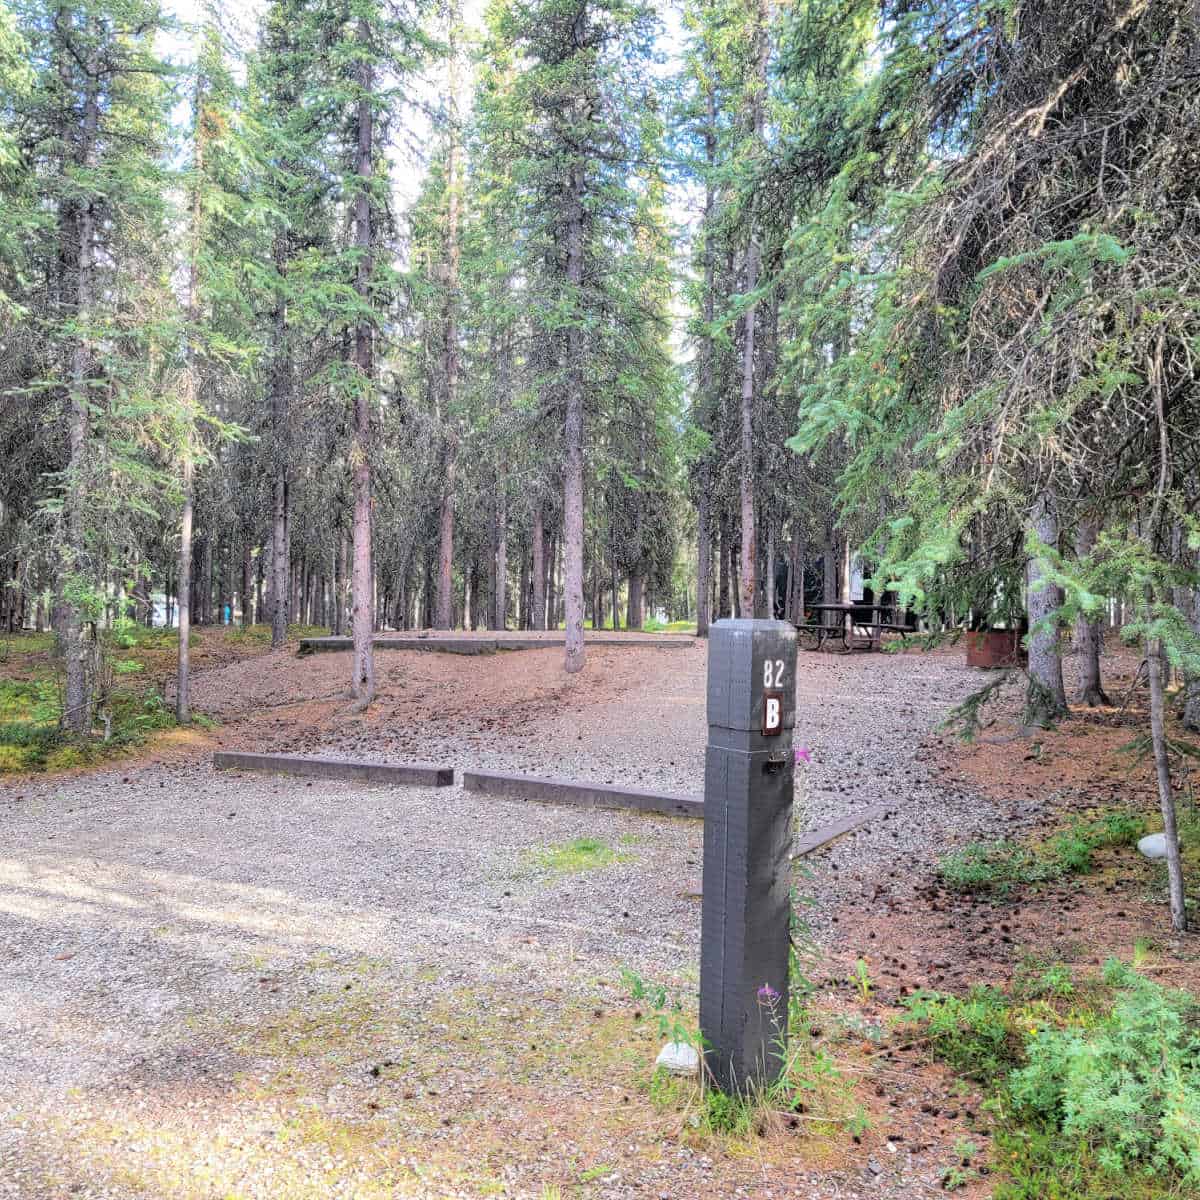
(746,911)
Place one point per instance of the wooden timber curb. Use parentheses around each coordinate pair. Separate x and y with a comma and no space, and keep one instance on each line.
(421,774)
(583,794)
(478,645)
(806,843)
(525,787)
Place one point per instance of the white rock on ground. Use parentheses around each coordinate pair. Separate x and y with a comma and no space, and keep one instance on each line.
(1154,845)
(679,1059)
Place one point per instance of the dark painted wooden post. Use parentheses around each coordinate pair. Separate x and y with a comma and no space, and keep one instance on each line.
(747,845)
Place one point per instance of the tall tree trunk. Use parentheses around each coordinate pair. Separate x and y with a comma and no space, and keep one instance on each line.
(616,593)
(500,591)
(551,615)
(524,620)
(247,580)
(339,588)
(575,656)
(724,553)
(182,681)
(1089,631)
(362,616)
(634,609)
(280,559)
(829,575)
(538,619)
(748,473)
(1046,697)
(78,635)
(206,581)
(769,575)
(704,514)
(703,553)
(258,585)
(795,599)
(183,712)
(499,613)
(445,598)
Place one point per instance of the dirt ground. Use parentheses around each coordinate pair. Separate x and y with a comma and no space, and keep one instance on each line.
(216,985)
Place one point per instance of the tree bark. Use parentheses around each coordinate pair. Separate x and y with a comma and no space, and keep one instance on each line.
(828,576)
(704,514)
(748,473)
(450,358)
(538,615)
(362,615)
(635,616)
(576,655)
(1046,697)
(724,553)
(1089,631)
(78,635)
(280,384)
(183,712)
(551,583)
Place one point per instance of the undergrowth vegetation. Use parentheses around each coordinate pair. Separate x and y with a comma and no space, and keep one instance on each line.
(999,867)
(131,703)
(136,663)
(811,1087)
(1095,1083)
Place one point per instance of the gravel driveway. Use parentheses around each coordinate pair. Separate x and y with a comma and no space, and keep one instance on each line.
(190,959)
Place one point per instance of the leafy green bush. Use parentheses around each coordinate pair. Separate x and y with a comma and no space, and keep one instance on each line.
(1072,849)
(1095,1083)
(1130,1086)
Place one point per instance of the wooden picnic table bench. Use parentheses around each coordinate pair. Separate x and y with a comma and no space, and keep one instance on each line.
(870,618)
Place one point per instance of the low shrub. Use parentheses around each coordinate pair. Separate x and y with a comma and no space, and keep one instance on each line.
(1096,1085)
(1129,1086)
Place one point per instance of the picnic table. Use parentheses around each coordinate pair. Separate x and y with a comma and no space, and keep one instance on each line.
(871,617)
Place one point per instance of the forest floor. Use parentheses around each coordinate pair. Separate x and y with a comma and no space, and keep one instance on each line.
(223,985)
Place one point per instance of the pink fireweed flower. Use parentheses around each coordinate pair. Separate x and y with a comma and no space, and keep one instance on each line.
(804,755)
(767,994)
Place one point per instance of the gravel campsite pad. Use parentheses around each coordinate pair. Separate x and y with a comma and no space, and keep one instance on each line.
(218,984)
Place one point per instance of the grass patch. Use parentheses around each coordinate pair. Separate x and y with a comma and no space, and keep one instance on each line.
(570,858)
(654,626)
(999,867)
(1095,1083)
